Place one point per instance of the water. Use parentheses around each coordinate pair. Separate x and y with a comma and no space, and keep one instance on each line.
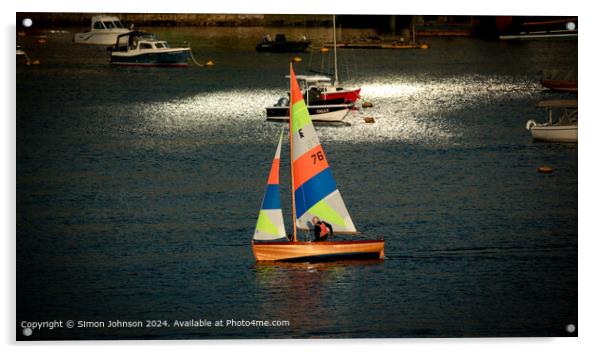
(138,191)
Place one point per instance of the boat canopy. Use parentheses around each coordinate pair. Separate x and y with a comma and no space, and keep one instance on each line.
(557,104)
(109,22)
(122,44)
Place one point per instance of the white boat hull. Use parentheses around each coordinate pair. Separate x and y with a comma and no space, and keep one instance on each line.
(331,117)
(555,133)
(98,38)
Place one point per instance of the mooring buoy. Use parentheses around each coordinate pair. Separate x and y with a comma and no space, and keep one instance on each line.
(367,104)
(369,119)
(545,169)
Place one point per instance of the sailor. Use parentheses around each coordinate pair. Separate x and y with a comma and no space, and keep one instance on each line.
(321,229)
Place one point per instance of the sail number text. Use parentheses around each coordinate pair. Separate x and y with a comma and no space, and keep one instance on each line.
(319,156)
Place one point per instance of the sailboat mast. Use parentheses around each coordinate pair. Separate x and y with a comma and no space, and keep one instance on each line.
(290,137)
(334,32)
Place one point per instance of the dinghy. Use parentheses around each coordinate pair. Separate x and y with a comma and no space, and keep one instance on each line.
(314,193)
(560,129)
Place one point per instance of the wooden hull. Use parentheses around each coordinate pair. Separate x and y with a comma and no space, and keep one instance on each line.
(318,251)
(560,85)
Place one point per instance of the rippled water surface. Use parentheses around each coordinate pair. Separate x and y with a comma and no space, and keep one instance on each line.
(138,191)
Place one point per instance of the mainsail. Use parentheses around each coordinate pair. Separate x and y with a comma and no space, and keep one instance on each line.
(270,224)
(316,192)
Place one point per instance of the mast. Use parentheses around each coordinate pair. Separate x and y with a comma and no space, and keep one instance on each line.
(290,137)
(334,32)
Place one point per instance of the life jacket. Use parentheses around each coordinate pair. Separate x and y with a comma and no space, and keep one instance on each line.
(323,229)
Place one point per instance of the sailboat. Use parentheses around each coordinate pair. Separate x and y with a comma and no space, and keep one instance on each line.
(333,91)
(330,104)
(313,193)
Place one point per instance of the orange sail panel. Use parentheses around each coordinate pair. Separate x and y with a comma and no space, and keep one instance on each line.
(316,192)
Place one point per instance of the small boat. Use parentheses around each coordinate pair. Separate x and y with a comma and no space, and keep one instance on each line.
(314,194)
(103,31)
(550,29)
(560,85)
(561,130)
(281,45)
(22,54)
(332,90)
(138,48)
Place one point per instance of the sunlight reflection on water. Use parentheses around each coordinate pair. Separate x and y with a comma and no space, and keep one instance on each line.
(405,110)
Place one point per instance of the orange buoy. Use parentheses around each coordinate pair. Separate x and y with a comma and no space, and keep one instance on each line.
(324,50)
(545,169)
(369,119)
(367,104)
(297,59)
(209,63)
(424,46)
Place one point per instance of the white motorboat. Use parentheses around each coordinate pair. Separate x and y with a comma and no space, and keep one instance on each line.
(104,31)
(138,48)
(561,130)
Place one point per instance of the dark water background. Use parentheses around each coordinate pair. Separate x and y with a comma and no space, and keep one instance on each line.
(138,191)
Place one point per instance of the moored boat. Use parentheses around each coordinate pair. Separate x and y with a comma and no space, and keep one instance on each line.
(138,48)
(547,29)
(22,54)
(281,45)
(314,193)
(332,90)
(560,85)
(563,129)
(103,31)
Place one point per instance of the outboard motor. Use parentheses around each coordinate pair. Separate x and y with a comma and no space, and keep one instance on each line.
(282,102)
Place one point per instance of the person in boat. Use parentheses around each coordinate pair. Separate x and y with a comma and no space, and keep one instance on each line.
(321,229)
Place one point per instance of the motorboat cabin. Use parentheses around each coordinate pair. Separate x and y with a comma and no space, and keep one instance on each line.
(103,31)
